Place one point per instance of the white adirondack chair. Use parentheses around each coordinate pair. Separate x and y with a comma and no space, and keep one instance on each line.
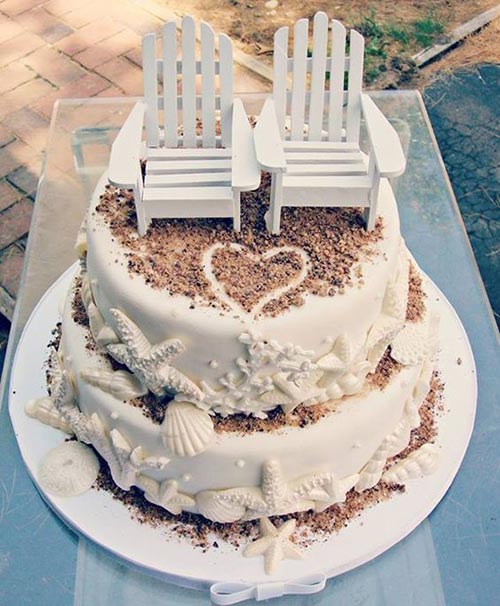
(310,139)
(187,174)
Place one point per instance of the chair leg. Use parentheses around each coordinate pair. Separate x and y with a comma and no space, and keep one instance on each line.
(140,211)
(370,214)
(236,211)
(142,222)
(276,202)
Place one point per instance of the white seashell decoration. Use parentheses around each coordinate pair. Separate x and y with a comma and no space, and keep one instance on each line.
(44,410)
(213,507)
(411,345)
(186,430)
(81,240)
(120,384)
(420,462)
(68,470)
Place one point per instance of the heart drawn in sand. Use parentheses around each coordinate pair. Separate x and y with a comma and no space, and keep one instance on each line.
(246,281)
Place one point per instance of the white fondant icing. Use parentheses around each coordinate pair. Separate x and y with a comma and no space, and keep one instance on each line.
(260,363)
(366,418)
(205,330)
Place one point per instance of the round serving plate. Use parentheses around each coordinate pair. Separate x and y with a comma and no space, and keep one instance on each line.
(108,523)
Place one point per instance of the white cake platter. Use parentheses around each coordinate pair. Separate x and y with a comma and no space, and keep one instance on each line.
(107,522)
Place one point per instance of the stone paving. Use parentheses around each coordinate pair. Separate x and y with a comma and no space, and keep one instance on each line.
(463,108)
(54,49)
(83,48)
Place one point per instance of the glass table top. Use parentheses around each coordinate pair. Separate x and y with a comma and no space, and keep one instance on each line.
(451,558)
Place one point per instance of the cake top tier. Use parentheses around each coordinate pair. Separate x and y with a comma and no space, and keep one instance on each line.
(320,251)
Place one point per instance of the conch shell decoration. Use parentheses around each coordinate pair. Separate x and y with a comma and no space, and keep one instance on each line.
(121,384)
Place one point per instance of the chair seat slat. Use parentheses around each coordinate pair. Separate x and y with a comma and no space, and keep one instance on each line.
(328,182)
(194,153)
(311,157)
(327,169)
(186,166)
(198,179)
(195,194)
(319,146)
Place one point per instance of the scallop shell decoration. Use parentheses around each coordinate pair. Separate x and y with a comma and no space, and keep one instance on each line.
(68,470)
(186,430)
(213,507)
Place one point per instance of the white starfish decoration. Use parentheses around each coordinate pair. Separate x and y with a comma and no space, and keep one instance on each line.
(274,544)
(151,363)
(61,389)
(344,369)
(165,494)
(393,313)
(275,496)
(58,410)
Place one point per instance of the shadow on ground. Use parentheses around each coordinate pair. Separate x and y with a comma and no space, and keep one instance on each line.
(464,111)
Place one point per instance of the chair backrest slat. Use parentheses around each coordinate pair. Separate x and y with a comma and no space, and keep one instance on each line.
(179,102)
(226,87)
(208,84)
(188,82)
(281,62)
(310,106)
(356,52)
(337,74)
(299,80)
(316,105)
(169,79)
(150,89)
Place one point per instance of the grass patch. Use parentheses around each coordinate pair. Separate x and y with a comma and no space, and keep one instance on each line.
(425,31)
(387,43)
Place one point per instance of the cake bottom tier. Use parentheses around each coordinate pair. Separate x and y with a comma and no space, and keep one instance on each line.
(252,468)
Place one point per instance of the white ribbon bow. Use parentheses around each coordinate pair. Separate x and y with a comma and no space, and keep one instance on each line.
(227,593)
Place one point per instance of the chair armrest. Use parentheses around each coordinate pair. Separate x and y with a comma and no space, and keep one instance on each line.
(385,144)
(245,172)
(124,161)
(268,142)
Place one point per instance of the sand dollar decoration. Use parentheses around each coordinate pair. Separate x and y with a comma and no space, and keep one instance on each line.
(68,470)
